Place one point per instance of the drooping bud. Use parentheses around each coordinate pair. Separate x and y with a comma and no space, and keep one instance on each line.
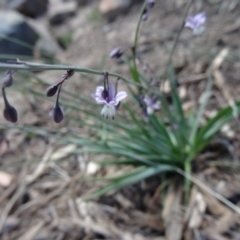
(151,3)
(116,52)
(7,81)
(57,114)
(9,112)
(51,91)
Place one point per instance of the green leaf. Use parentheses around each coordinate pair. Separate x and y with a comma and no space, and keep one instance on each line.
(205,99)
(213,126)
(133,177)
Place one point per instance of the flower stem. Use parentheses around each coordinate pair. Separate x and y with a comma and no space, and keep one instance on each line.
(40,67)
(134,48)
(177,37)
(187,182)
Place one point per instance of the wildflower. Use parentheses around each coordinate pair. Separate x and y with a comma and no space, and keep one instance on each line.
(116,52)
(152,104)
(9,112)
(108,97)
(151,3)
(196,23)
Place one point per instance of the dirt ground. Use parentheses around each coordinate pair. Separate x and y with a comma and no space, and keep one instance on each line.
(41,197)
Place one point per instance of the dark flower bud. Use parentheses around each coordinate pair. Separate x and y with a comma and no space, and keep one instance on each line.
(57,114)
(10,113)
(116,53)
(51,91)
(7,81)
(151,3)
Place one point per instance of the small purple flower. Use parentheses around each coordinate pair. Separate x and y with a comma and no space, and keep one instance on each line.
(151,3)
(108,97)
(116,52)
(152,104)
(196,23)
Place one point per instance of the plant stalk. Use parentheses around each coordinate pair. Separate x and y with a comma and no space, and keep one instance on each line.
(187,182)
(134,48)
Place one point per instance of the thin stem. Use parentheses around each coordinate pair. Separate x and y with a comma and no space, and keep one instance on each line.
(38,67)
(134,48)
(58,94)
(5,98)
(178,37)
(187,183)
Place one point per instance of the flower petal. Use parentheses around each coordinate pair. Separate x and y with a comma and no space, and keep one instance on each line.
(99,100)
(119,97)
(156,105)
(111,92)
(98,96)
(148,101)
(99,91)
(108,111)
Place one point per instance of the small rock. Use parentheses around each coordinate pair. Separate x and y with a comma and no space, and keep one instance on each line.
(29,8)
(82,2)
(46,46)
(14,27)
(11,224)
(111,8)
(5,179)
(61,11)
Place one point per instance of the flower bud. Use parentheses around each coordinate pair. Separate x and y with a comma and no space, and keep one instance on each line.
(151,3)
(57,114)
(10,113)
(7,81)
(51,91)
(116,53)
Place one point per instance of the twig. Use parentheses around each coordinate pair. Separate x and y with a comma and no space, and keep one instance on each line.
(210,191)
(40,168)
(32,232)
(13,200)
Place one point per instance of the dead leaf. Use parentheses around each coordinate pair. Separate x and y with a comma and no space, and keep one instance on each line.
(63,152)
(172,215)
(5,179)
(197,209)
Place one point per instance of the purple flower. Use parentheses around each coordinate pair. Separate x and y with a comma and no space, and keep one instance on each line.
(116,52)
(108,97)
(151,3)
(196,23)
(152,104)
